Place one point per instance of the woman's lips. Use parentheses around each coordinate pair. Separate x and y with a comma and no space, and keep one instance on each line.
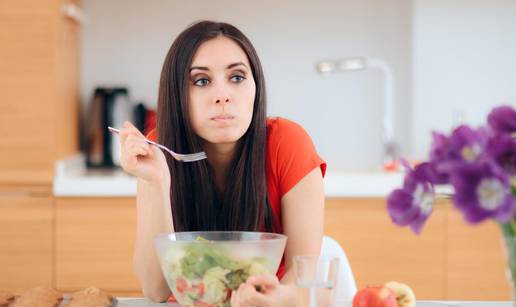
(224,117)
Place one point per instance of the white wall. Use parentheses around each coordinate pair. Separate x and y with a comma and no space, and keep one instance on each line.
(464,63)
(125,42)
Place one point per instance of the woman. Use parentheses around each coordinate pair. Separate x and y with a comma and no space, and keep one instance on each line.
(260,175)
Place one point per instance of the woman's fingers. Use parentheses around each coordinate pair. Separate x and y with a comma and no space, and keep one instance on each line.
(234,298)
(133,141)
(247,296)
(266,281)
(127,130)
(138,150)
(133,147)
(129,126)
(139,158)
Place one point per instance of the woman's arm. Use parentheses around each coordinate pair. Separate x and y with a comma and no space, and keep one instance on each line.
(153,217)
(303,219)
(153,212)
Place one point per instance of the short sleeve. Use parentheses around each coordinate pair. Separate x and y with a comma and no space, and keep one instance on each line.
(292,153)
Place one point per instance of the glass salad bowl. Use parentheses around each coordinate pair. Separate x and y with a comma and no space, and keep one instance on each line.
(203,267)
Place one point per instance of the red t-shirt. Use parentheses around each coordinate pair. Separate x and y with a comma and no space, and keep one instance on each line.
(290,156)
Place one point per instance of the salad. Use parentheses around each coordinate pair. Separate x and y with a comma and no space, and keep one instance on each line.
(204,276)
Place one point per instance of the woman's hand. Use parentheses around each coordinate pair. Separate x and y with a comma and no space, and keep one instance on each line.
(141,159)
(272,293)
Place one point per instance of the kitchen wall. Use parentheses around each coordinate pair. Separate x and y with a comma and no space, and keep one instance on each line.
(125,42)
(464,55)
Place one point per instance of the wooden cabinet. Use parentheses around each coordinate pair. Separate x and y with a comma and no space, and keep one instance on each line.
(73,243)
(380,251)
(39,89)
(94,244)
(39,71)
(26,239)
(448,260)
(475,262)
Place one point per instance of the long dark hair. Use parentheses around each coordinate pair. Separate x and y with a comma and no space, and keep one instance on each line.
(196,205)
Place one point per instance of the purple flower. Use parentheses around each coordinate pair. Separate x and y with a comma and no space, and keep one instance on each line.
(464,146)
(482,190)
(440,152)
(502,148)
(441,147)
(467,144)
(412,205)
(479,163)
(502,119)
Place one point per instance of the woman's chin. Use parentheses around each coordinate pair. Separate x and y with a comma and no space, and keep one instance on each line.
(224,138)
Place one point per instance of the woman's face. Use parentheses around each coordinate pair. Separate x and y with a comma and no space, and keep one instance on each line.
(221,91)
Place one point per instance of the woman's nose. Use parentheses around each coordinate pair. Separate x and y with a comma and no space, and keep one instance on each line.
(222,93)
(221,99)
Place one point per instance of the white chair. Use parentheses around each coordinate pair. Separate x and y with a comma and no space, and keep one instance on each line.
(346,286)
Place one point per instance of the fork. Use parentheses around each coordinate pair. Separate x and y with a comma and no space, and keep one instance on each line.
(179,157)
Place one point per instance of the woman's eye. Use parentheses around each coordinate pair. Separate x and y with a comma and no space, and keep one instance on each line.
(237,78)
(201,82)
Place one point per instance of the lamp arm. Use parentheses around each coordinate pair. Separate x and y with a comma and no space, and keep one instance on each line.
(388,107)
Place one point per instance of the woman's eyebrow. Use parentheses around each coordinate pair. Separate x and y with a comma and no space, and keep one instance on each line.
(199,67)
(228,67)
(236,64)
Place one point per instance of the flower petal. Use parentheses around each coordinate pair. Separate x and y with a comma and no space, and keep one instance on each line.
(502,119)
(400,207)
(466,181)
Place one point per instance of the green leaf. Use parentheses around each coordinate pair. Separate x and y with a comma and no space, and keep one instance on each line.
(237,277)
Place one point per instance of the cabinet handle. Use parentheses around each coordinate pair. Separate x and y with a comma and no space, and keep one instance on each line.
(73,12)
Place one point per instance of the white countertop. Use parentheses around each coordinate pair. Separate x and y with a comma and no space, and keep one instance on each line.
(72,179)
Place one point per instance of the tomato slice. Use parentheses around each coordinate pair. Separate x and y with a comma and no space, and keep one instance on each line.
(181,285)
(197,289)
(202,304)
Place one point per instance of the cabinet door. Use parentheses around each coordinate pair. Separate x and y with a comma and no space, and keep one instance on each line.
(67,78)
(94,244)
(380,251)
(26,241)
(39,87)
(475,263)
(27,69)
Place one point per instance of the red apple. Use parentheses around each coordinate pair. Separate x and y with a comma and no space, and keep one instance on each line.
(375,297)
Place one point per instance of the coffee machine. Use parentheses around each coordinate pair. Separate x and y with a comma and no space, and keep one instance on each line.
(109,107)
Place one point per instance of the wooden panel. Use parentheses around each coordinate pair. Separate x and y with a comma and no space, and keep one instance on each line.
(94,243)
(475,261)
(39,71)
(33,7)
(26,190)
(67,109)
(380,251)
(26,241)
(27,80)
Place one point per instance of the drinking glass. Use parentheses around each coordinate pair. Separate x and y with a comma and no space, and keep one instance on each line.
(316,280)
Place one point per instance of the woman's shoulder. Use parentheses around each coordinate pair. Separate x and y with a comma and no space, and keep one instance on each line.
(280,121)
(291,154)
(286,138)
(281,129)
